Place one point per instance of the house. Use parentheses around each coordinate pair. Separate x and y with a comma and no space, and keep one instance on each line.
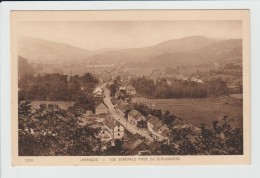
(144,153)
(168,82)
(98,92)
(101,108)
(119,94)
(137,119)
(118,131)
(113,128)
(139,100)
(105,134)
(163,133)
(153,125)
(196,79)
(122,88)
(137,147)
(156,128)
(121,108)
(89,113)
(87,119)
(111,82)
(130,90)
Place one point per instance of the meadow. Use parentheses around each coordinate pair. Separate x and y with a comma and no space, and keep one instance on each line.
(201,110)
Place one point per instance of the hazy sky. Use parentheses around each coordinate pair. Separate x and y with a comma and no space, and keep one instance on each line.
(126,34)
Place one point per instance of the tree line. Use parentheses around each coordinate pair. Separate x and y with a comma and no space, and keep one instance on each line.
(179,89)
(55,86)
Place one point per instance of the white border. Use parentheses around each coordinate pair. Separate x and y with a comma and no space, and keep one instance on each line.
(7,171)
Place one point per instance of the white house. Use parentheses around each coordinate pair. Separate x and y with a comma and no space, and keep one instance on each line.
(98,92)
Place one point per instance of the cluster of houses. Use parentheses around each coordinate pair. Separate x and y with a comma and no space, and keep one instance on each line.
(109,129)
(156,128)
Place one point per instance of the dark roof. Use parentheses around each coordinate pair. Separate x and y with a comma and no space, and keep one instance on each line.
(119,93)
(135,114)
(154,145)
(122,108)
(155,121)
(135,144)
(110,122)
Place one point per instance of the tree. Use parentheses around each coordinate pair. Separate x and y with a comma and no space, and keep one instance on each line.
(117,148)
(51,131)
(221,139)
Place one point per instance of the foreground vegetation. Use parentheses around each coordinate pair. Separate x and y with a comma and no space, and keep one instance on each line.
(222,139)
(50,130)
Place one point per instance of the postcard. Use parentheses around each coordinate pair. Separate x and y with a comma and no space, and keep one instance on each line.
(130,87)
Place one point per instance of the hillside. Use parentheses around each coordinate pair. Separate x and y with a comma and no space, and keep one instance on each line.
(218,52)
(47,52)
(186,44)
(192,50)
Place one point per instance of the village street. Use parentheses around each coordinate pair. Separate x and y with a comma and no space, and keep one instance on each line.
(122,120)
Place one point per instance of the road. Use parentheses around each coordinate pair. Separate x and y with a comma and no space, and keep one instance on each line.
(122,120)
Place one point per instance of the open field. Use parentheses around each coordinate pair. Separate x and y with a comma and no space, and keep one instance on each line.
(62,104)
(201,110)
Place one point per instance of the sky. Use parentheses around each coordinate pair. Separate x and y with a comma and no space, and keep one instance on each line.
(94,35)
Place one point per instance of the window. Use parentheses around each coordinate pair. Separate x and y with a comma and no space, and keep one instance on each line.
(118,134)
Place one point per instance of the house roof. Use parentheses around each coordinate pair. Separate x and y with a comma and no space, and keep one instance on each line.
(97,90)
(135,114)
(164,131)
(155,121)
(154,145)
(135,144)
(130,88)
(100,105)
(89,113)
(122,108)
(110,122)
(119,93)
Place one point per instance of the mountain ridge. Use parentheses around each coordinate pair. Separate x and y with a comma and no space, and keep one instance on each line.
(176,51)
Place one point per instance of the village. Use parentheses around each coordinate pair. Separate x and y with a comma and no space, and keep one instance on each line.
(116,119)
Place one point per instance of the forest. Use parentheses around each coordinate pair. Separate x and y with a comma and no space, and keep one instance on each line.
(55,87)
(179,89)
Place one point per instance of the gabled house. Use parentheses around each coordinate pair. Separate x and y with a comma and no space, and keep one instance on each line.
(112,128)
(98,92)
(130,90)
(164,133)
(119,94)
(101,108)
(137,119)
(156,128)
(121,108)
(87,119)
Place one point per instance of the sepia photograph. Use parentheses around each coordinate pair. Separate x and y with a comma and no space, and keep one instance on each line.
(107,87)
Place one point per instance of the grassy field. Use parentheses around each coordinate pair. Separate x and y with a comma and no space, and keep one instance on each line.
(202,110)
(62,104)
